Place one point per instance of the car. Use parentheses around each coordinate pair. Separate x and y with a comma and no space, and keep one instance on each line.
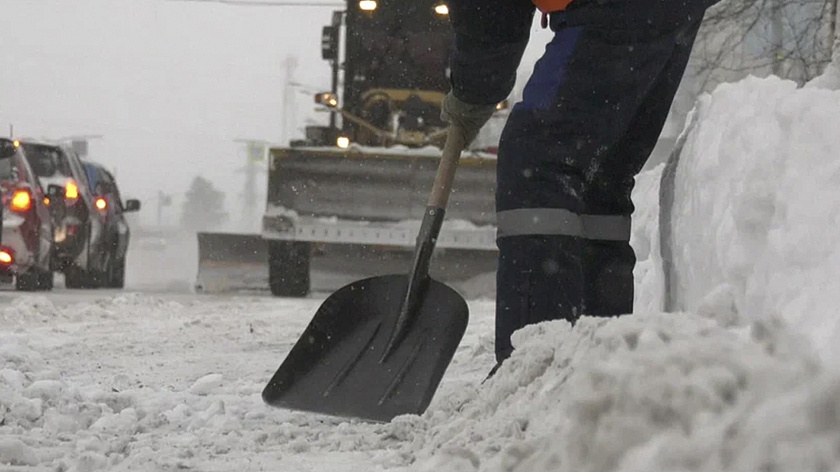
(80,246)
(27,243)
(116,233)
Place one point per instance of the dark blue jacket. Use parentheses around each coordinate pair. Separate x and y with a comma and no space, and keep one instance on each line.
(490,37)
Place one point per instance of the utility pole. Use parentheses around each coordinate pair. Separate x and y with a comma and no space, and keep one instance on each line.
(337,18)
(289,102)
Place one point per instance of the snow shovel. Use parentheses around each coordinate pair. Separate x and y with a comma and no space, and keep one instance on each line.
(378,348)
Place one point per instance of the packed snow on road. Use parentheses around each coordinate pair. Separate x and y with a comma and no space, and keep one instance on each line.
(743,375)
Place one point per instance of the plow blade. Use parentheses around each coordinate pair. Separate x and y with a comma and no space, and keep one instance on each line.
(231,263)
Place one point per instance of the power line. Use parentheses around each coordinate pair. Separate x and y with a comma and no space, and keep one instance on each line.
(257,3)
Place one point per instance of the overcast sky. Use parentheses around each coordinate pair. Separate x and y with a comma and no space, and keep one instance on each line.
(169,85)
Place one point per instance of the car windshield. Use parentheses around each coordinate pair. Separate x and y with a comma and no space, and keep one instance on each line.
(400,45)
(92,175)
(47,161)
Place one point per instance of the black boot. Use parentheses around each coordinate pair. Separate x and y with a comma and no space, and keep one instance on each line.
(608,275)
(539,279)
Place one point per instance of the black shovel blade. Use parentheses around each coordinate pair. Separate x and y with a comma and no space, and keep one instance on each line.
(336,366)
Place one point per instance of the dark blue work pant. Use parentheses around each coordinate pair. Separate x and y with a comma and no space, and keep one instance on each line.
(591,114)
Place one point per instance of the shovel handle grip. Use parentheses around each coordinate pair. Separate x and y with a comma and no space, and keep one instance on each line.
(455,143)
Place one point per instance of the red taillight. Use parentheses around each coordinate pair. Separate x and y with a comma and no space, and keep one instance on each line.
(101,204)
(71,191)
(7,256)
(21,200)
(72,230)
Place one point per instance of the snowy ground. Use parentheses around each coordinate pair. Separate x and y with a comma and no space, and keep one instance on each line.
(746,378)
(139,382)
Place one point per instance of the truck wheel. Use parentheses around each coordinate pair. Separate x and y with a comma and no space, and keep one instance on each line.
(96,278)
(45,280)
(27,281)
(34,280)
(75,278)
(288,268)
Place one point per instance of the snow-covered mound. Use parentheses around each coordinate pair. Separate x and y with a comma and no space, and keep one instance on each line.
(756,225)
(651,392)
(747,377)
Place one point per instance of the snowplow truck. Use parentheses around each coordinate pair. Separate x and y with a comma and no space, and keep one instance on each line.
(356,189)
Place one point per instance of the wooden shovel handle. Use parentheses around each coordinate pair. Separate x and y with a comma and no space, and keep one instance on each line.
(446,169)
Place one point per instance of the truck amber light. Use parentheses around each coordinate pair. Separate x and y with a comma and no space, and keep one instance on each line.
(326,98)
(6,256)
(442,9)
(367,5)
(101,204)
(71,192)
(21,200)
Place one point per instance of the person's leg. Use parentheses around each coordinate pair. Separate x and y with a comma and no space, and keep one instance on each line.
(582,98)
(539,276)
(608,265)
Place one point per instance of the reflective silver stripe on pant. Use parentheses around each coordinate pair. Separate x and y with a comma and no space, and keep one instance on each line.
(559,222)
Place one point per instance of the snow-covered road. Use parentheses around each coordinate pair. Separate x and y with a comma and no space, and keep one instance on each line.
(105,381)
(100,381)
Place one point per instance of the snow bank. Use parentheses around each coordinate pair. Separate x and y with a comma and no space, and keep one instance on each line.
(757,215)
(641,393)
(732,387)
(648,273)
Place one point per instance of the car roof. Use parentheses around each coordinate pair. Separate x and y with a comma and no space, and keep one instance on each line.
(95,165)
(45,143)
(38,142)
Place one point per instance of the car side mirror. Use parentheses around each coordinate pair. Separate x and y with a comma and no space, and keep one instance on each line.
(132,205)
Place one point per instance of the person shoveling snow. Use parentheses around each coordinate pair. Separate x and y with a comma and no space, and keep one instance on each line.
(589,119)
(591,115)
